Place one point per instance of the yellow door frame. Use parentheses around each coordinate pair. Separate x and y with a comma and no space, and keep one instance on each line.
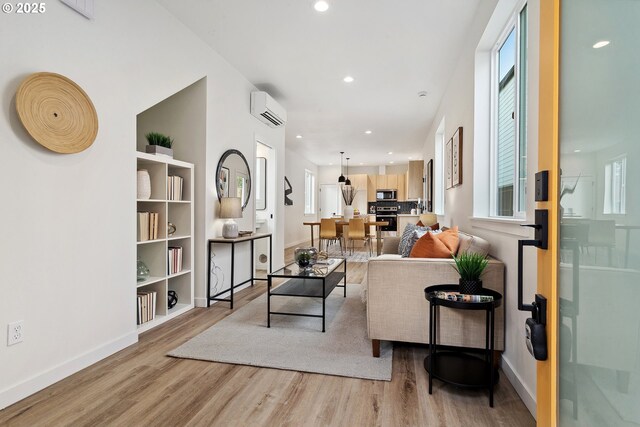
(548,159)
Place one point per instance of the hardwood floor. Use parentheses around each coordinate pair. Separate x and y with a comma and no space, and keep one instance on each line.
(140,386)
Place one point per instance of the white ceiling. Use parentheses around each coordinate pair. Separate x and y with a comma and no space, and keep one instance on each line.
(393,49)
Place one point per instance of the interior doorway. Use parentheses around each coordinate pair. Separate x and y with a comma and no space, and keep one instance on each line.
(330,204)
(265,197)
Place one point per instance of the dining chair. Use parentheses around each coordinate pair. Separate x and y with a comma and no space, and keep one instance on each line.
(329,233)
(357,232)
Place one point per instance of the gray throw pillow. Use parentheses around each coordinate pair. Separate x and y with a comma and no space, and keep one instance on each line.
(406,237)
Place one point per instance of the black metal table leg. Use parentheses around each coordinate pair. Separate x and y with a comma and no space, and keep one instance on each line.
(268,301)
(209,276)
(323,302)
(233,263)
(252,267)
(491,360)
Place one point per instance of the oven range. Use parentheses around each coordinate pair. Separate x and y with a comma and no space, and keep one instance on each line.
(389,214)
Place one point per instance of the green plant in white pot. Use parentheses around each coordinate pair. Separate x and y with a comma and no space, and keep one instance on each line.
(470,267)
(159,144)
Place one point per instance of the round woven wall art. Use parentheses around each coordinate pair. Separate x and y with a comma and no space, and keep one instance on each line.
(57,113)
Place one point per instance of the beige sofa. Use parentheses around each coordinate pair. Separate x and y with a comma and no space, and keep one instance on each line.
(398,311)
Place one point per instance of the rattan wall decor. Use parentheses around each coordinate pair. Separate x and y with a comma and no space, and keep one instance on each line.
(57,113)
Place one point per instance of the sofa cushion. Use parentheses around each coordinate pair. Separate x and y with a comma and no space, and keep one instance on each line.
(473,244)
(417,234)
(413,238)
(433,245)
(406,236)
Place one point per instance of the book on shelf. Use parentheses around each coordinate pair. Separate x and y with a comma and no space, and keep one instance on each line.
(174,259)
(457,296)
(147,226)
(174,187)
(146,306)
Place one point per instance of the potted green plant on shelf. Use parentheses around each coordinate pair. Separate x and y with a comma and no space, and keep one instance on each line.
(159,144)
(470,267)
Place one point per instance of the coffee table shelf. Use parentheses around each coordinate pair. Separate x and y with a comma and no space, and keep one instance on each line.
(316,284)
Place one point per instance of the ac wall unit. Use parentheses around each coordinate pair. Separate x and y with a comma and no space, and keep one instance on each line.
(265,108)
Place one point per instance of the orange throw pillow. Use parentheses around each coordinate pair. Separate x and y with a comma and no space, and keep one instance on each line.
(440,245)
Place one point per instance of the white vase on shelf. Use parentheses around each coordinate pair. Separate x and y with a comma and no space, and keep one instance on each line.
(348,212)
(144,184)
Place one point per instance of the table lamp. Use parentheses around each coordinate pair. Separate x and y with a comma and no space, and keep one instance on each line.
(230,208)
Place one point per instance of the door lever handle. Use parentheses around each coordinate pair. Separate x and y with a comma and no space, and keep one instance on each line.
(536,226)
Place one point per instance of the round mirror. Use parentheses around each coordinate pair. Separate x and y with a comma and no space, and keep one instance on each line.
(233,177)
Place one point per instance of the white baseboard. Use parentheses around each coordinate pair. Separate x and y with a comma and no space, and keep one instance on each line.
(19,391)
(527,396)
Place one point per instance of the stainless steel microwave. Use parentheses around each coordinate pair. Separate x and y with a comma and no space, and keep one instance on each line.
(390,195)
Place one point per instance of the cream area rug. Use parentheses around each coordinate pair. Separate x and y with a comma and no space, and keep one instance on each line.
(296,343)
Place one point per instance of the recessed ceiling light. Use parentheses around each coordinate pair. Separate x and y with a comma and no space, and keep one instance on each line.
(298,136)
(321,6)
(577,151)
(601,43)
(330,164)
(361,164)
(368,132)
(390,152)
(410,158)
(348,79)
(391,161)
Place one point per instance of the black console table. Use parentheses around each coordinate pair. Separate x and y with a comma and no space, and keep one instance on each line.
(458,367)
(233,242)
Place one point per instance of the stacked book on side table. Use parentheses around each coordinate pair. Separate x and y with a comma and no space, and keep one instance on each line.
(457,296)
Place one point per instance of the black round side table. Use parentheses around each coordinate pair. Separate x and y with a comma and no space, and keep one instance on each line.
(457,367)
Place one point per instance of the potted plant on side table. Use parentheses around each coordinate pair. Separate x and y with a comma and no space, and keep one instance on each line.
(159,144)
(470,267)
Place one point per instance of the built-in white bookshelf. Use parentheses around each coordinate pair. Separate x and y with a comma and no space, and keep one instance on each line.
(155,253)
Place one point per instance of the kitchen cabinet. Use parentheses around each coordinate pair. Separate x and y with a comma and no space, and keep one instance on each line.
(392,182)
(402,188)
(359,181)
(372,186)
(382,182)
(415,185)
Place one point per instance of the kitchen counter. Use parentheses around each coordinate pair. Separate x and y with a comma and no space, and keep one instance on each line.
(415,215)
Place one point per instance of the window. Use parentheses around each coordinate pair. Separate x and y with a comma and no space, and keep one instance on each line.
(615,186)
(509,120)
(309,193)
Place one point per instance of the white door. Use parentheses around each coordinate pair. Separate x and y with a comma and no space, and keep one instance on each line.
(329,201)
(264,188)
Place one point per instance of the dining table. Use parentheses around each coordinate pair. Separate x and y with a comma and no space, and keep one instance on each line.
(377,224)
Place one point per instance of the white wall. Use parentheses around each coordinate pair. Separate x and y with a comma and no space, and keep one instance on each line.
(457,107)
(295,232)
(69,270)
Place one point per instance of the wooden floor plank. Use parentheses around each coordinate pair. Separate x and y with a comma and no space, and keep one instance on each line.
(142,386)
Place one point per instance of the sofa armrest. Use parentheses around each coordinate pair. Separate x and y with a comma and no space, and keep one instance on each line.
(398,311)
(390,245)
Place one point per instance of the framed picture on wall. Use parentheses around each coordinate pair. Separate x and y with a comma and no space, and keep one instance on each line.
(223,182)
(456,163)
(448,162)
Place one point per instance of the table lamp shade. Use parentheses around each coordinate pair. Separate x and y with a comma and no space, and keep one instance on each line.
(230,207)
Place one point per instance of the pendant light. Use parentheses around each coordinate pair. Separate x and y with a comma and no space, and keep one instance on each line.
(341,178)
(348,181)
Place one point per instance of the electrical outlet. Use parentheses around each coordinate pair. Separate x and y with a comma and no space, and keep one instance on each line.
(15,332)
